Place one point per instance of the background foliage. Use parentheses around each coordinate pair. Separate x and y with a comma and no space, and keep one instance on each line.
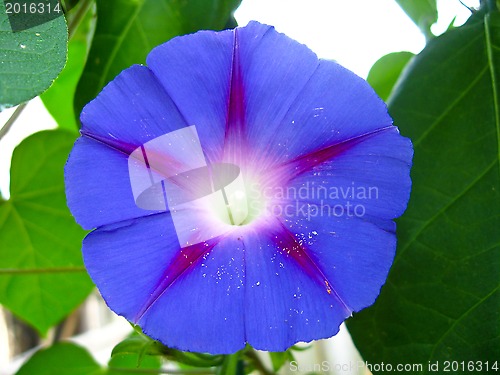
(442,299)
(447,267)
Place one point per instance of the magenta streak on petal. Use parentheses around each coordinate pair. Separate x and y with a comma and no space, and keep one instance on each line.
(304,163)
(234,140)
(116,144)
(159,163)
(145,156)
(287,243)
(185,259)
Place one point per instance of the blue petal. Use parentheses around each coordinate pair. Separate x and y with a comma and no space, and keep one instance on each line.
(131,110)
(271,69)
(196,71)
(354,255)
(296,104)
(335,105)
(371,177)
(203,310)
(287,297)
(128,259)
(97,184)
(190,299)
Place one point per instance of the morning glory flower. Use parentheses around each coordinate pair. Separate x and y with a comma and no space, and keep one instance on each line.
(240,189)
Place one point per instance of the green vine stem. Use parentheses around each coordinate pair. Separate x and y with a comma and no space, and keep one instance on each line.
(253,357)
(5,129)
(80,13)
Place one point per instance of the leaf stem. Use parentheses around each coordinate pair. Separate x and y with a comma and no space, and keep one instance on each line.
(74,22)
(5,129)
(494,78)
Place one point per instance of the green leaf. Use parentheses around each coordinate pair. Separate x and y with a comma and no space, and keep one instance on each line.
(278,359)
(66,358)
(125,37)
(231,23)
(68,4)
(61,359)
(122,364)
(42,278)
(193,359)
(422,12)
(301,348)
(31,59)
(138,343)
(442,298)
(58,99)
(386,71)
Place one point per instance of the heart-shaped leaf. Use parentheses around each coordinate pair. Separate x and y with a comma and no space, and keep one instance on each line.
(442,299)
(42,278)
(62,359)
(30,58)
(385,72)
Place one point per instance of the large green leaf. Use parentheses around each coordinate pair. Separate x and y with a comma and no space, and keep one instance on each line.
(422,12)
(42,277)
(58,99)
(66,358)
(30,59)
(61,359)
(386,71)
(128,29)
(442,298)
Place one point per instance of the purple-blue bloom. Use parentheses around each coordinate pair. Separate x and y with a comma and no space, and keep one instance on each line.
(298,233)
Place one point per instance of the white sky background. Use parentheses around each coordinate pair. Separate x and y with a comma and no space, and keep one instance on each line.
(354,33)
